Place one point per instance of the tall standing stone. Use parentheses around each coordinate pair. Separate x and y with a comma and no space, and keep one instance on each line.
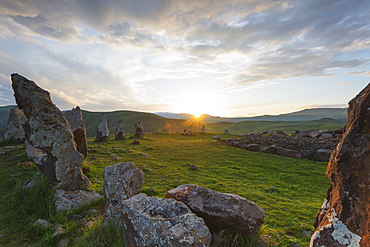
(120,130)
(48,130)
(103,131)
(77,124)
(343,219)
(15,128)
(139,129)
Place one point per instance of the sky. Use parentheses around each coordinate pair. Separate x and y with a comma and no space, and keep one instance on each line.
(223,58)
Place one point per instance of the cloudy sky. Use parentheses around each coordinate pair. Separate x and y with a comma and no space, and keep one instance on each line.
(224,58)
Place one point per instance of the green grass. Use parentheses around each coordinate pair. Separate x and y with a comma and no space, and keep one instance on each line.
(291,191)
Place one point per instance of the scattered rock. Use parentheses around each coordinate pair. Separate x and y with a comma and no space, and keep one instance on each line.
(71,200)
(2,151)
(15,128)
(48,130)
(29,184)
(217,137)
(193,167)
(343,218)
(103,130)
(59,231)
(322,155)
(279,132)
(288,153)
(120,130)
(139,130)
(77,124)
(136,142)
(268,150)
(252,147)
(42,223)
(219,210)
(121,181)
(151,221)
(63,242)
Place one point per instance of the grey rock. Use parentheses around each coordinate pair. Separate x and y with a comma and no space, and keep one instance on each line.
(59,231)
(42,223)
(48,130)
(121,181)
(193,167)
(136,142)
(75,119)
(139,130)
(307,153)
(217,137)
(33,152)
(314,134)
(322,155)
(120,130)
(219,210)
(226,132)
(14,129)
(71,200)
(103,132)
(288,153)
(268,150)
(151,221)
(252,147)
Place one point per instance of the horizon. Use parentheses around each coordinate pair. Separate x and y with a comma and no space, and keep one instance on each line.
(227,58)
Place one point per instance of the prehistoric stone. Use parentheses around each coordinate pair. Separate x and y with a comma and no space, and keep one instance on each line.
(344,219)
(14,130)
(33,152)
(103,131)
(314,134)
(71,200)
(219,210)
(151,221)
(139,130)
(322,155)
(75,119)
(288,153)
(121,181)
(226,132)
(120,131)
(48,130)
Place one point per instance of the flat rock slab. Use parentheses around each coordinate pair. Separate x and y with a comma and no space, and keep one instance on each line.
(219,210)
(71,200)
(151,221)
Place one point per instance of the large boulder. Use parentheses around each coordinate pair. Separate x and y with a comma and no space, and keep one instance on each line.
(102,133)
(72,200)
(14,130)
(322,155)
(219,210)
(75,119)
(344,217)
(151,221)
(139,130)
(120,130)
(121,181)
(48,130)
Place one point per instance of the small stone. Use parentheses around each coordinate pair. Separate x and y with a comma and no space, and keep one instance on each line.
(59,231)
(15,174)
(118,158)
(78,239)
(151,189)
(90,224)
(113,155)
(136,142)
(29,184)
(43,223)
(193,167)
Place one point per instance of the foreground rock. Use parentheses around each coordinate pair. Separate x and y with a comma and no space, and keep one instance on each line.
(48,130)
(103,132)
(71,200)
(120,130)
(75,119)
(139,130)
(151,221)
(343,219)
(14,130)
(121,181)
(219,210)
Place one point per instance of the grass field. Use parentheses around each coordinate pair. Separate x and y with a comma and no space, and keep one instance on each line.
(291,191)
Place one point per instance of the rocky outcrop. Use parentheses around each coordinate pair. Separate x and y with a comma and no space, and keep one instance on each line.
(71,200)
(344,217)
(75,119)
(48,130)
(151,221)
(103,132)
(139,130)
(14,130)
(120,130)
(121,181)
(219,210)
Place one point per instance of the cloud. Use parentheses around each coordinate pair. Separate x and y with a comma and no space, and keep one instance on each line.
(342,82)
(324,106)
(360,73)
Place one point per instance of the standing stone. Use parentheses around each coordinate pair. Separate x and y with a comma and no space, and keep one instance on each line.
(77,124)
(151,221)
(343,220)
(203,129)
(48,130)
(120,130)
(103,131)
(226,132)
(139,129)
(121,181)
(15,128)
(219,210)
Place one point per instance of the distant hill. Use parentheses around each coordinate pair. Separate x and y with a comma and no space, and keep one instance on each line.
(184,116)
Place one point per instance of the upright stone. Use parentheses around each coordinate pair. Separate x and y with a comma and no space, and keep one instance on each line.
(48,130)
(103,131)
(14,130)
(120,130)
(77,124)
(343,220)
(139,129)
(227,132)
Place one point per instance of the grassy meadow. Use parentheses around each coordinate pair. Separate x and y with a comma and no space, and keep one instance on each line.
(291,191)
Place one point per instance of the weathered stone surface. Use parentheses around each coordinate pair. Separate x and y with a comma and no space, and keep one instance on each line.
(42,223)
(75,119)
(121,181)
(322,155)
(71,200)
(288,153)
(151,221)
(219,210)
(120,130)
(268,150)
(139,130)
(344,217)
(33,152)
(14,130)
(48,130)
(103,132)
